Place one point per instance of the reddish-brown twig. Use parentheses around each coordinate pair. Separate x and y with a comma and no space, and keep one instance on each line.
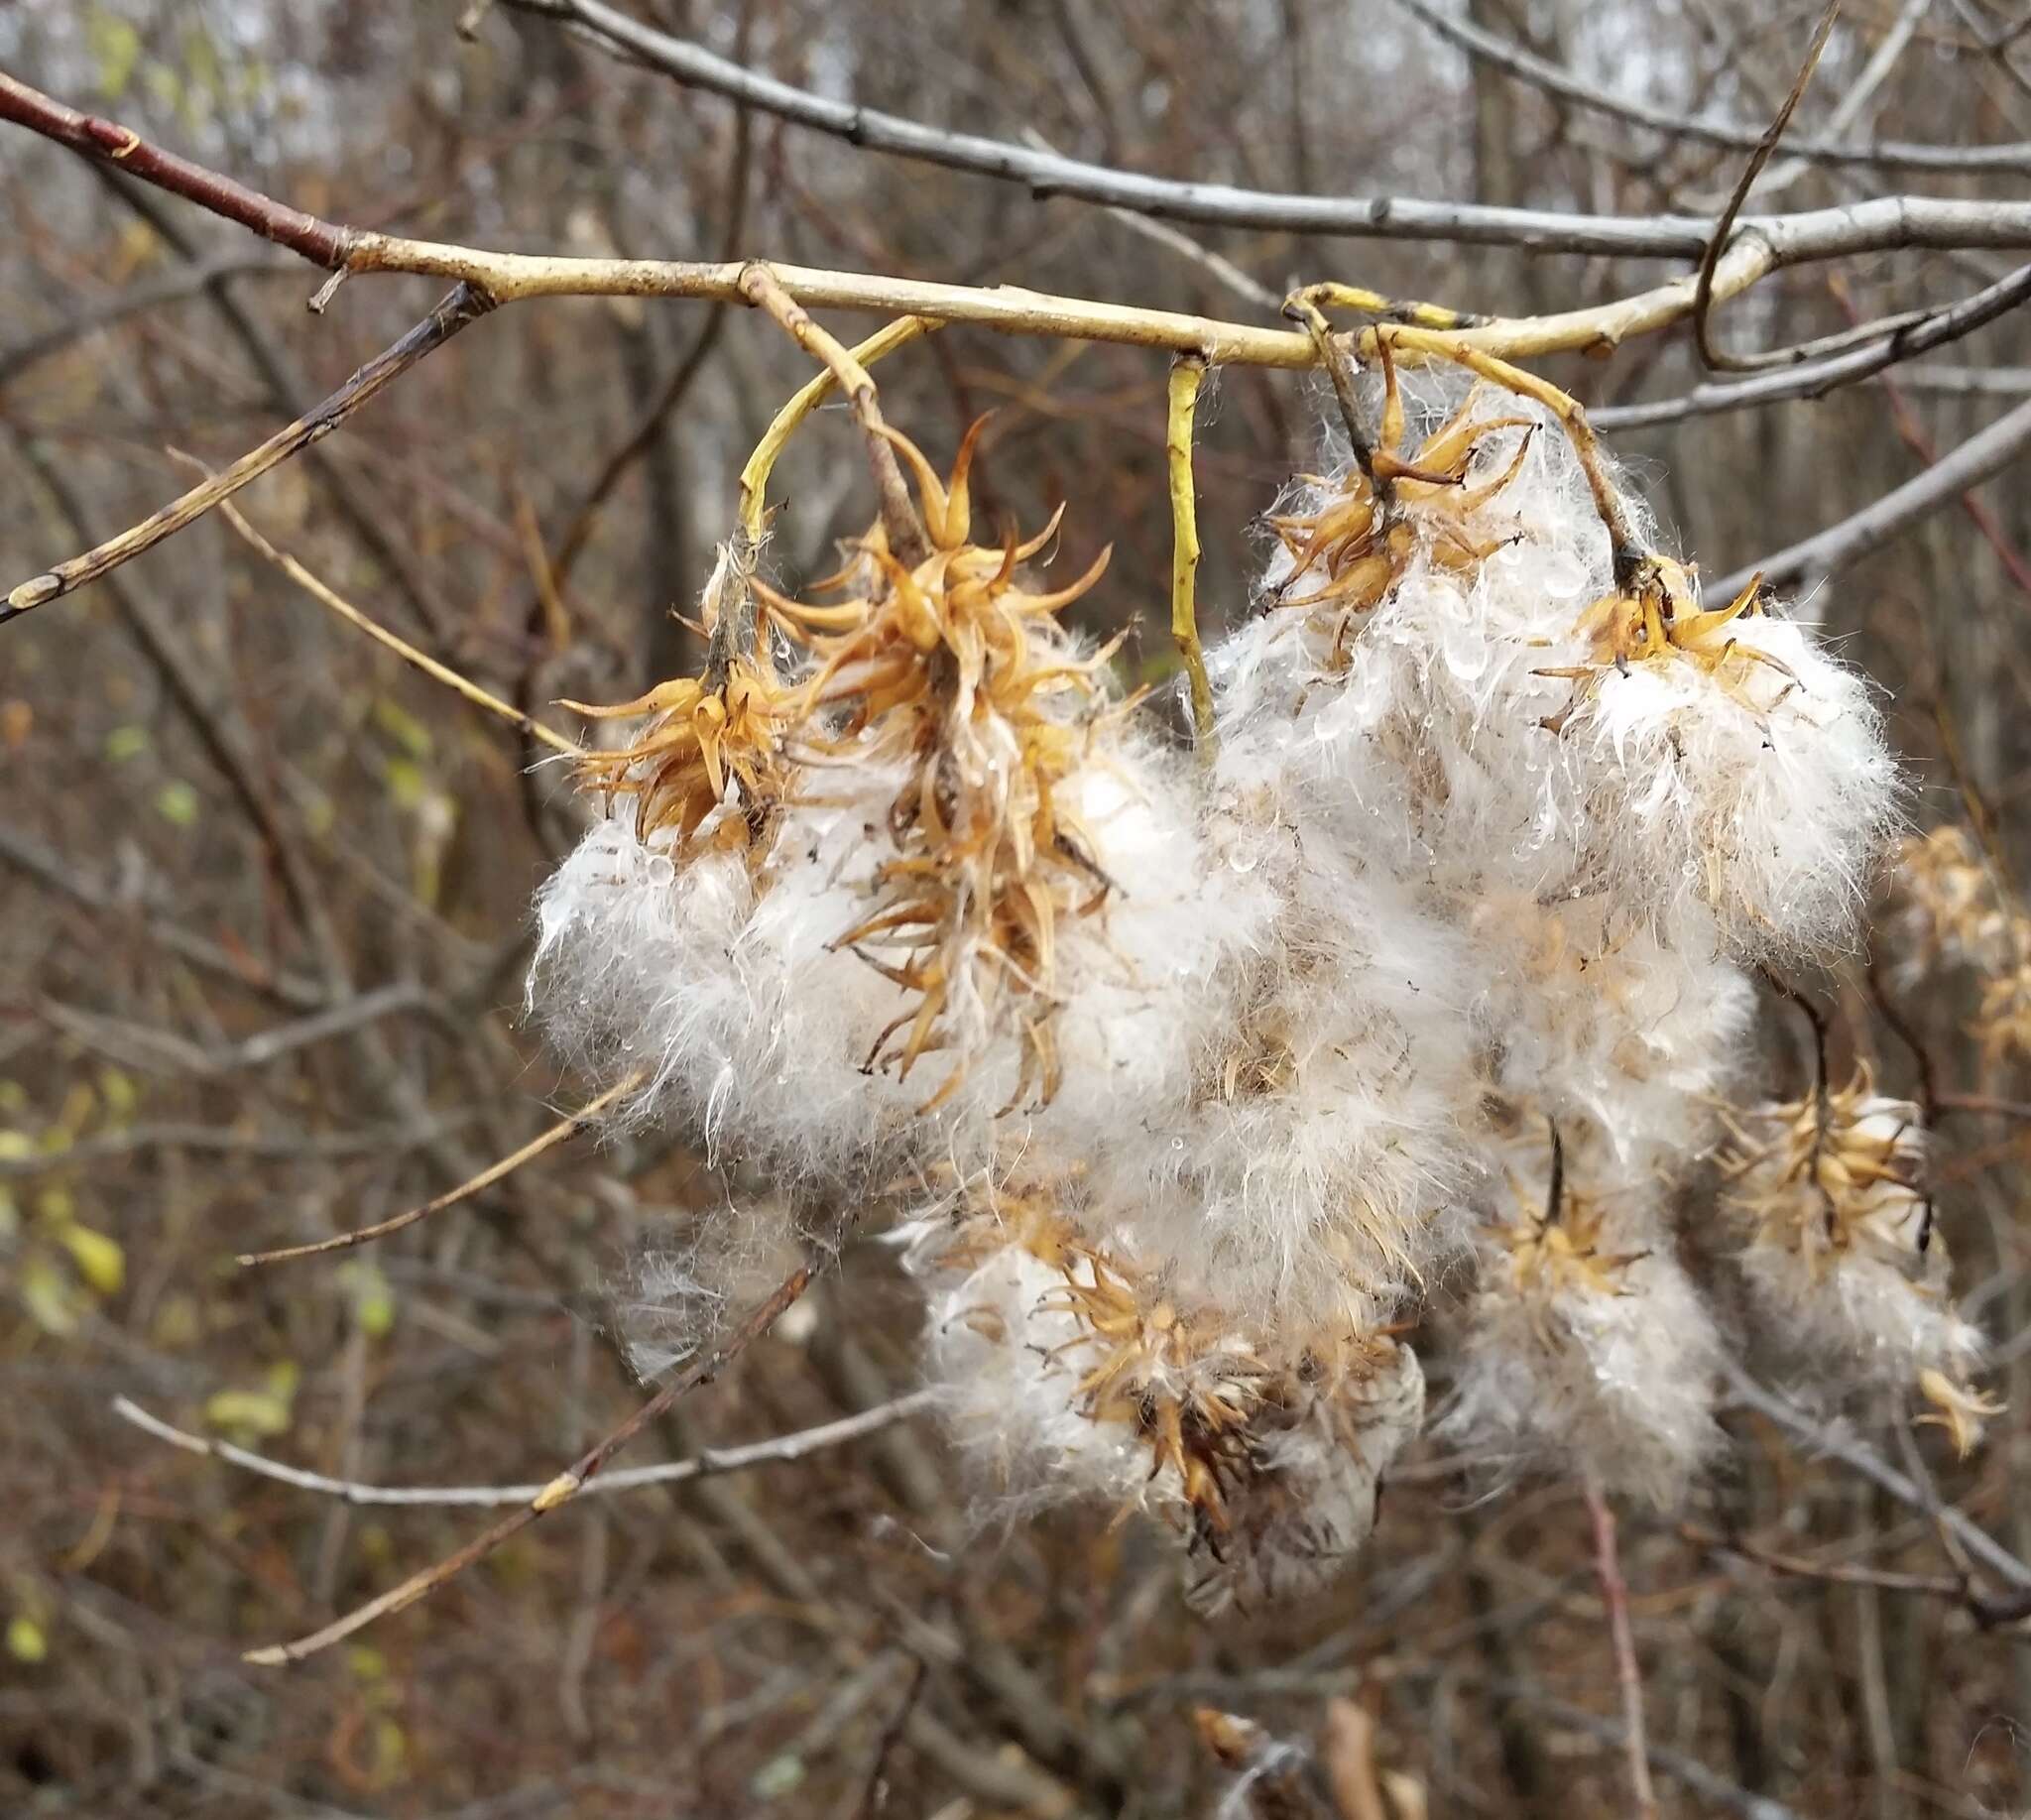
(1614,1589)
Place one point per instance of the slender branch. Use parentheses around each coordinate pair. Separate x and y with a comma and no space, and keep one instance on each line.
(585,1116)
(1186,377)
(408,653)
(1709,355)
(323,243)
(908,542)
(708,1464)
(1607,1569)
(1840,1573)
(1834,1440)
(1832,550)
(566,1486)
(226,1140)
(1818,378)
(169,288)
(235,964)
(1553,78)
(467,303)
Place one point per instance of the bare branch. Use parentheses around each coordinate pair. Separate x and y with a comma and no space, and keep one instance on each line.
(1628,1677)
(1832,550)
(1553,80)
(566,1486)
(467,303)
(438,672)
(1816,379)
(321,242)
(1046,174)
(783,1448)
(548,1140)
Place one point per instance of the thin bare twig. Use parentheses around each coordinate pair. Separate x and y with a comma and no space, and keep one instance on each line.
(1628,1677)
(438,672)
(566,1486)
(704,1465)
(467,303)
(1710,260)
(1046,174)
(1552,79)
(579,1121)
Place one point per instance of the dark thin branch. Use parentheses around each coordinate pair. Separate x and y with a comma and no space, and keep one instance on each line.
(1702,299)
(323,243)
(463,305)
(169,288)
(1818,378)
(59,875)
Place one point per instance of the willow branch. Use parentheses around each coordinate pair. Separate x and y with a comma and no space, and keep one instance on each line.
(1186,377)
(560,1491)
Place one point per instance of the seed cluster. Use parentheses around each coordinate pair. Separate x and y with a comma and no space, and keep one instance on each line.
(1412,999)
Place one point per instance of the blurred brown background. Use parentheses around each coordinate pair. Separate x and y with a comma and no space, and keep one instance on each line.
(265,913)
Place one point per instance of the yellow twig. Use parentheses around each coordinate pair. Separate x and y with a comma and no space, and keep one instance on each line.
(408,653)
(762,463)
(493,1172)
(1186,375)
(908,542)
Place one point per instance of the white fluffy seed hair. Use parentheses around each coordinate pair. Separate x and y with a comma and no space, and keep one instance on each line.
(1313,1172)
(1010,1357)
(1312,1499)
(723,980)
(1599,1024)
(1611,1372)
(1770,798)
(1763,794)
(1877,1308)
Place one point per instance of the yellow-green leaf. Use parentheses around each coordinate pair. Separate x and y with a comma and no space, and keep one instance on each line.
(259,1414)
(15,1147)
(101,1260)
(119,1092)
(403,727)
(51,1301)
(115,45)
(177,803)
(125,743)
(26,1642)
(407,782)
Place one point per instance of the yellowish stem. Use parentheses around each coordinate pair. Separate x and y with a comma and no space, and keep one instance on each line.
(1186,376)
(762,463)
(408,653)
